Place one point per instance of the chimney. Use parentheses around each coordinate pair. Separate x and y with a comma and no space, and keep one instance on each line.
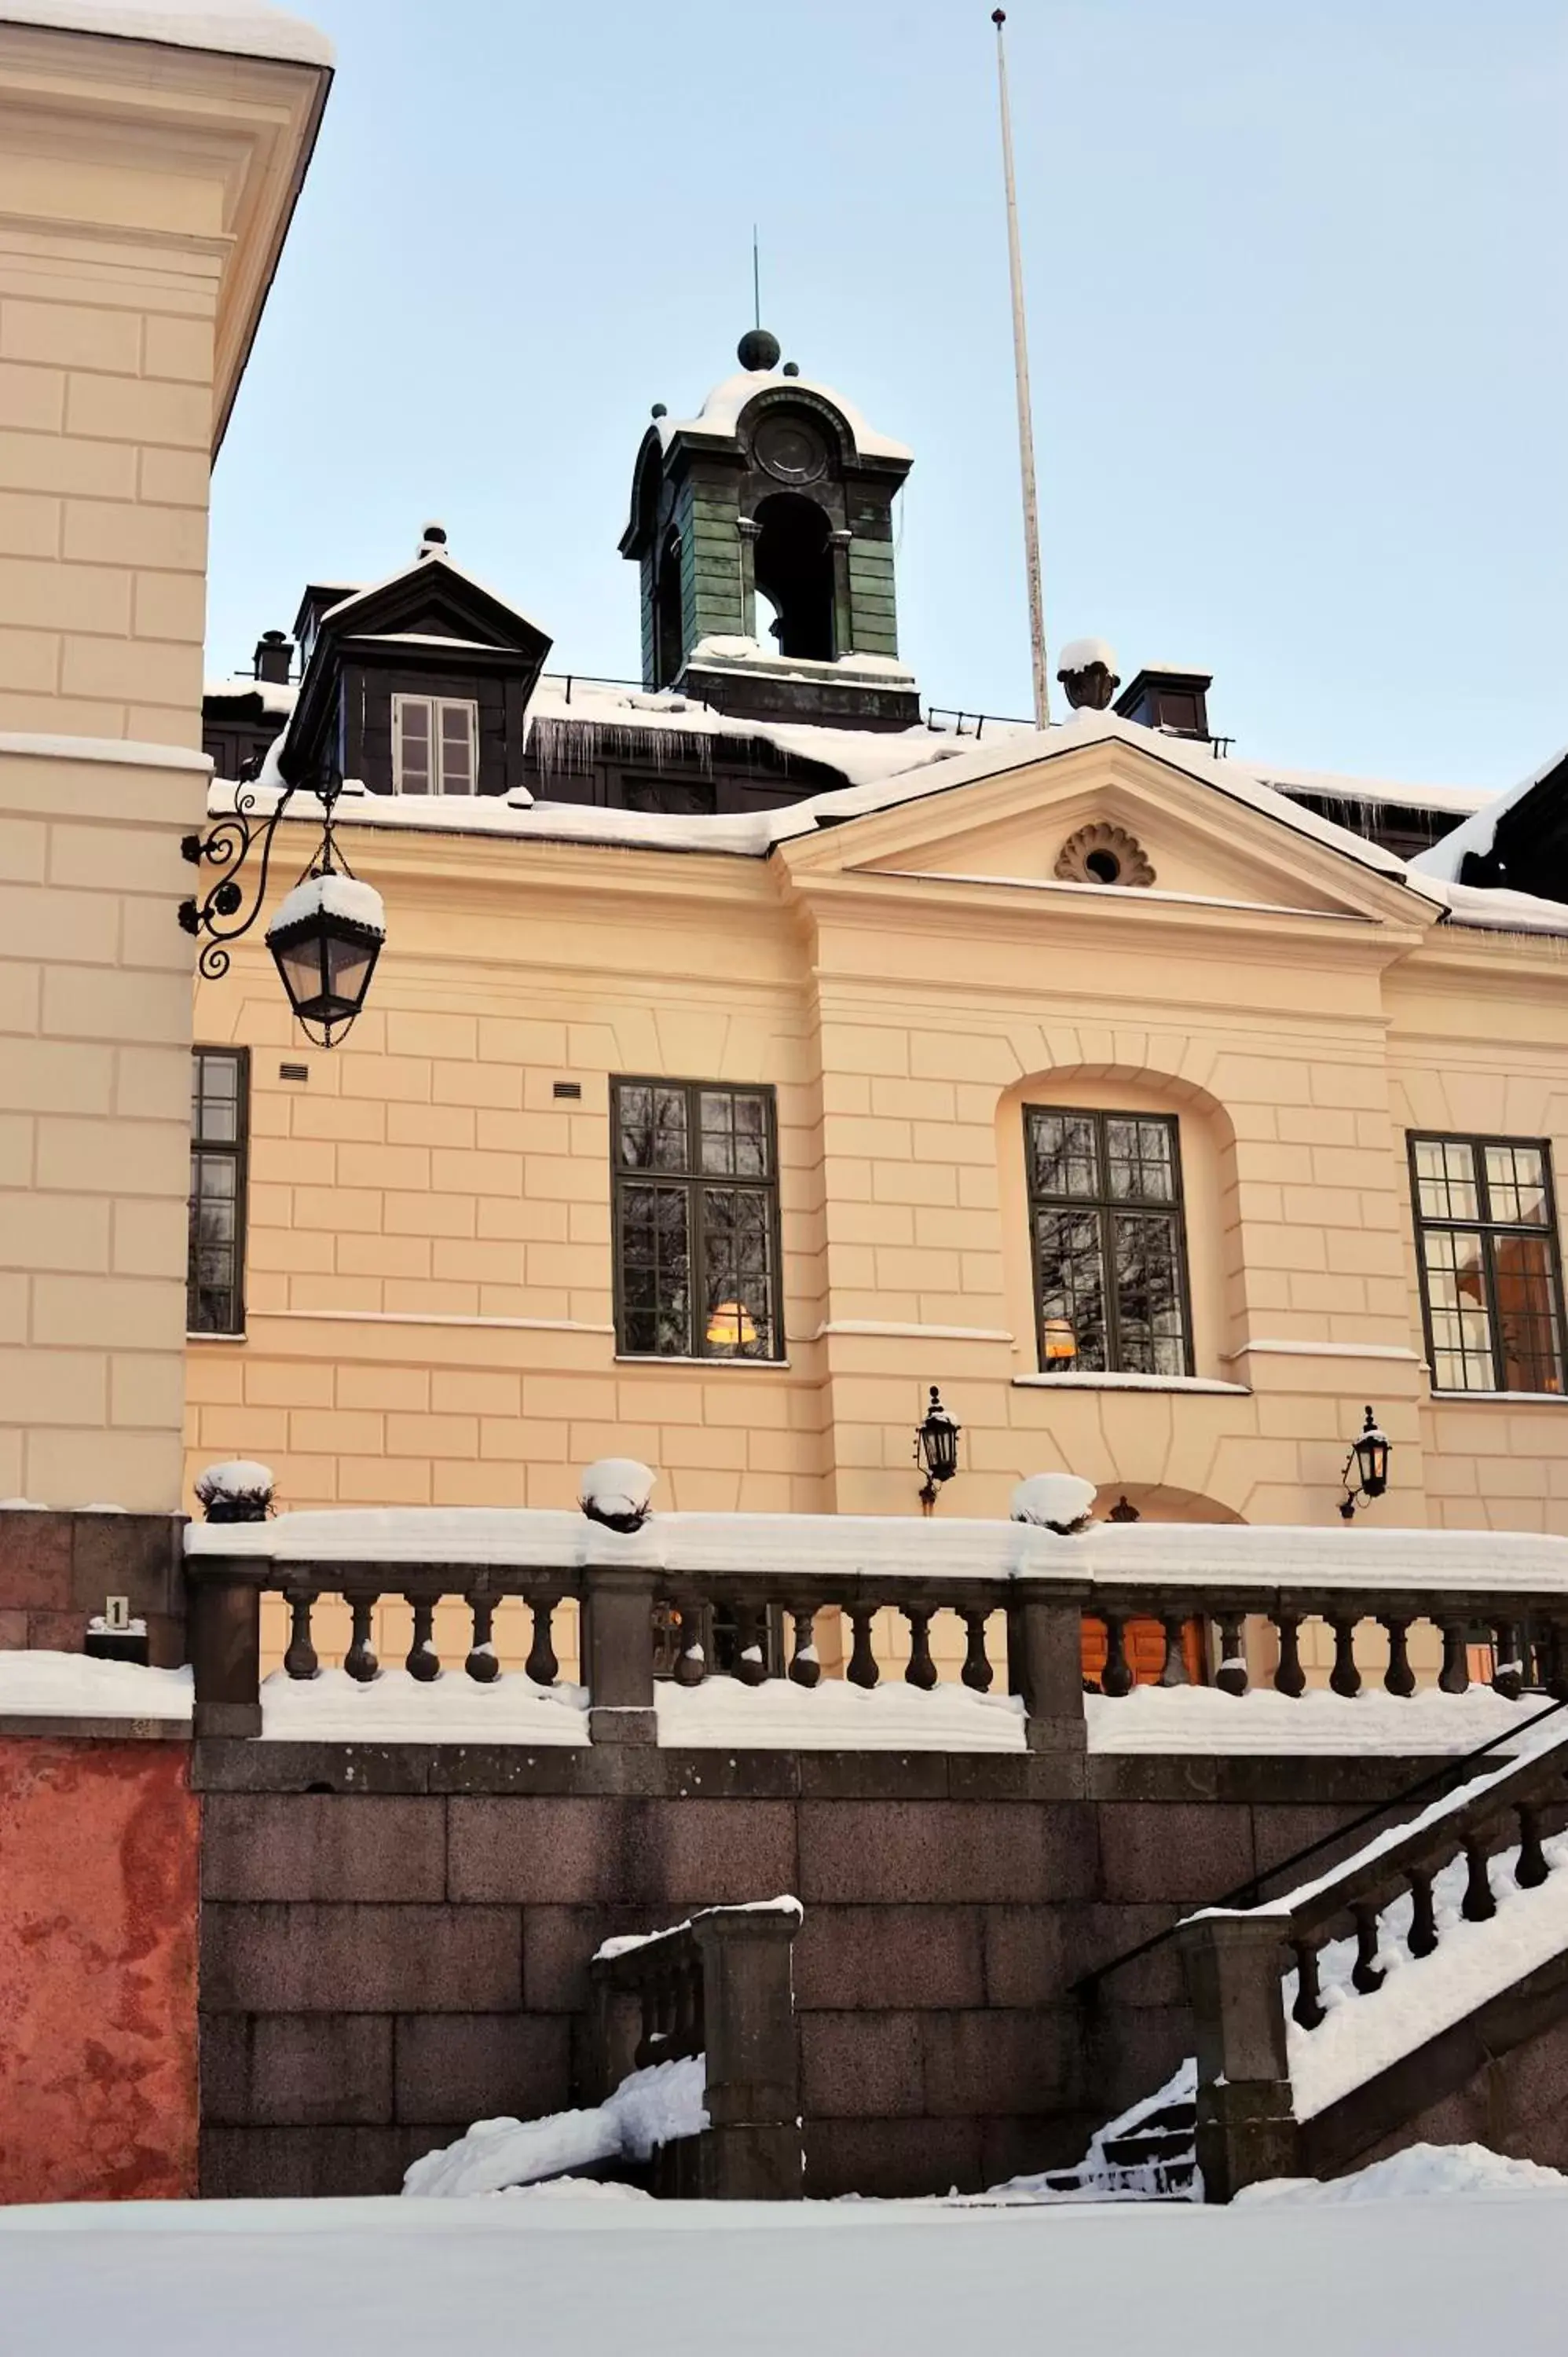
(275,657)
(1171,698)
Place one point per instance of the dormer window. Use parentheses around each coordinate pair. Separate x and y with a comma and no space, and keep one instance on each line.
(434,740)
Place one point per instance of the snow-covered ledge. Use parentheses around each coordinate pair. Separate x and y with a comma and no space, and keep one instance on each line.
(898,1548)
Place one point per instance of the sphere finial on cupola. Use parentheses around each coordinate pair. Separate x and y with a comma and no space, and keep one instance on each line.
(758,350)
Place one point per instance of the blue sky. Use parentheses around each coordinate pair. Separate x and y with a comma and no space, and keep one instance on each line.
(1298,321)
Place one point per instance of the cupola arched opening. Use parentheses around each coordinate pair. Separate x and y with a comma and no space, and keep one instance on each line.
(794,572)
(666,592)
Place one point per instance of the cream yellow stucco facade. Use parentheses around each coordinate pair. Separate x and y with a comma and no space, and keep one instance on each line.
(144,192)
(429,1298)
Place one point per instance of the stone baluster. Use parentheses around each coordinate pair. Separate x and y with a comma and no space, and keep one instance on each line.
(1231,1675)
(1116,1677)
(1173,1671)
(862,1670)
(1344,1676)
(1290,1678)
(977,1671)
(482,1664)
(750,1652)
(1246,2128)
(921,1671)
(1308,2009)
(1367,1974)
(691,1654)
(359,1660)
(617,1653)
(1399,1678)
(1422,1938)
(1530,1868)
(423,1661)
(542,1665)
(1479,1904)
(1455,1676)
(1508,1670)
(300,1660)
(1045,1665)
(805,1664)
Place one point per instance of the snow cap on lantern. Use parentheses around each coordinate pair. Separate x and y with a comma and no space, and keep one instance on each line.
(1054,1502)
(618,1492)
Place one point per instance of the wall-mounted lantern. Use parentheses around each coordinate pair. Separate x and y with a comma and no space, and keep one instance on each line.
(327,935)
(1369,1458)
(935,1447)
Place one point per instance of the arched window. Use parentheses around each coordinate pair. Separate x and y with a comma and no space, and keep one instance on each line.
(794,573)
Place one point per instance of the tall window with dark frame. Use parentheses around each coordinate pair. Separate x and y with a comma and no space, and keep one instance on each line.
(696,1221)
(219,1136)
(1491,1268)
(1105,1214)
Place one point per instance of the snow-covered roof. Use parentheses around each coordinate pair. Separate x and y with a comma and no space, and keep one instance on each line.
(235,28)
(428,557)
(1374,793)
(1445,858)
(720,414)
(276,695)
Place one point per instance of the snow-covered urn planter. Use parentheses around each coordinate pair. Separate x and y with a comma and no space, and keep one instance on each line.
(618,1492)
(238,1491)
(1054,1502)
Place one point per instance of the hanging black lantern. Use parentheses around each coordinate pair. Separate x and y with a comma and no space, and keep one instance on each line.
(1369,1456)
(935,1447)
(326,938)
(328,932)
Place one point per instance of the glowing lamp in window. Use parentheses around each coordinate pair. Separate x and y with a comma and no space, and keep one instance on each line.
(731,1326)
(1059,1341)
(325,939)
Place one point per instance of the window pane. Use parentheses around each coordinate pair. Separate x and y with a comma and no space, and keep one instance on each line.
(1445,1178)
(414,745)
(1064,1154)
(738,1249)
(1460,1322)
(653,1128)
(734,1133)
(457,748)
(1071,1278)
(1515,1184)
(656,1259)
(1150,1334)
(1140,1160)
(1526,1315)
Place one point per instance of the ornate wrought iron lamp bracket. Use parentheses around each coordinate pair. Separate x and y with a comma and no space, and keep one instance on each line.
(221,914)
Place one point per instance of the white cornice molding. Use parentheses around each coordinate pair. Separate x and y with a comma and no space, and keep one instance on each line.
(125,752)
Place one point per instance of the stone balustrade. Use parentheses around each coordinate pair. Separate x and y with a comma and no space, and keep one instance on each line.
(718,1986)
(981,1606)
(1250,1973)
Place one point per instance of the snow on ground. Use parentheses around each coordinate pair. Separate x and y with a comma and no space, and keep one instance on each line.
(649,2109)
(333,1707)
(1418,2172)
(578,2276)
(70,1686)
(1362,2035)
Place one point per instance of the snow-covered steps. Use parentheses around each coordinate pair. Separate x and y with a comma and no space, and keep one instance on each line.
(1148,2154)
(1339,2014)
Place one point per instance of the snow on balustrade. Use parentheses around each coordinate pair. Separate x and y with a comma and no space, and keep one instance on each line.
(858,1632)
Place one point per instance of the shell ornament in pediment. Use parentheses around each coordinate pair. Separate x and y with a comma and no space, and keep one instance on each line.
(1103,854)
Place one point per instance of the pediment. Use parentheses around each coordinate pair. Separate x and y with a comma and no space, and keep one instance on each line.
(434,599)
(1171,833)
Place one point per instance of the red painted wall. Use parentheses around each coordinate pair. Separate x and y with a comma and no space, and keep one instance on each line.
(98,1910)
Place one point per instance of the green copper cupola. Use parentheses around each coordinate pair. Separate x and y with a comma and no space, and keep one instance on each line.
(763,532)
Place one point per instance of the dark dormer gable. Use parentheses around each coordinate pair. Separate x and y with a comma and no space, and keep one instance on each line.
(1529,842)
(431,651)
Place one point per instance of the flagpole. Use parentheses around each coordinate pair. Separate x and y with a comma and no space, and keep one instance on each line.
(1025,422)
